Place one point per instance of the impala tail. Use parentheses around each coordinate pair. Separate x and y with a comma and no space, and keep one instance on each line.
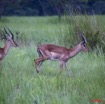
(38,50)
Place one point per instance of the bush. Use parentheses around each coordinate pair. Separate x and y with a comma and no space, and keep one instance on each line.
(90,28)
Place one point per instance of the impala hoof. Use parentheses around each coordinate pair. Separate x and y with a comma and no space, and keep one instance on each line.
(37,71)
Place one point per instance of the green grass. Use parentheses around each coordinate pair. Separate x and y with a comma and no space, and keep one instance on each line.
(19,82)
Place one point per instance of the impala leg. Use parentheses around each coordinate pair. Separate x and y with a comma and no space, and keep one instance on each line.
(67,69)
(38,63)
(61,66)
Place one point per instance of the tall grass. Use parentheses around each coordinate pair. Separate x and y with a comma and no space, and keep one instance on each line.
(19,82)
(45,30)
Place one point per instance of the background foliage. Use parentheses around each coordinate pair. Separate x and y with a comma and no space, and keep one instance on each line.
(50,7)
(19,82)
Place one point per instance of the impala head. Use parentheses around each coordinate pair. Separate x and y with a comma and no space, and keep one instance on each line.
(8,35)
(83,43)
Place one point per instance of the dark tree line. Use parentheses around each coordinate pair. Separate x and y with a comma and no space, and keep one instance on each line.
(50,7)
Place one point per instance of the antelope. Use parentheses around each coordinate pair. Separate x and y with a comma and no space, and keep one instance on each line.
(62,54)
(9,37)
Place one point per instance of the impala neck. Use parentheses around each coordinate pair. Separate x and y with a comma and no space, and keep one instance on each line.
(74,51)
(7,46)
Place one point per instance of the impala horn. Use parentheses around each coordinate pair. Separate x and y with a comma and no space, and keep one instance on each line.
(10,33)
(84,41)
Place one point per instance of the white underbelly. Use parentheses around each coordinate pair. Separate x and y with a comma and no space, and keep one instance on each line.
(54,56)
(54,59)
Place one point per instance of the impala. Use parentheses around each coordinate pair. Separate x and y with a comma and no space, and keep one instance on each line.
(62,54)
(9,37)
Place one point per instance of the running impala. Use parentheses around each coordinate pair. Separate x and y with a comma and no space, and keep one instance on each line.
(9,37)
(62,54)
